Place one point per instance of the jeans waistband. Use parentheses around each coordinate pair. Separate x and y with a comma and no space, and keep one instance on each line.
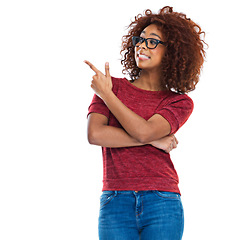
(137,192)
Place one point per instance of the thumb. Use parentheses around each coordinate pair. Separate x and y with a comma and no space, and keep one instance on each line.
(107,72)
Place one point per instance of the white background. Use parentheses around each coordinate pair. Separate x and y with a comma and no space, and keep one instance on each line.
(50,177)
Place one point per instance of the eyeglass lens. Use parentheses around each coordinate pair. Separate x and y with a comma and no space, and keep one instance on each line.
(150,42)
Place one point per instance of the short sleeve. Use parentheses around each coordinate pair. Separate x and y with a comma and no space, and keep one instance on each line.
(98,106)
(176,111)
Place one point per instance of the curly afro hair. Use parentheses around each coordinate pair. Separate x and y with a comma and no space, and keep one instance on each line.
(184,55)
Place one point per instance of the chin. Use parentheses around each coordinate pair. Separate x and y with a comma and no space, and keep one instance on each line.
(143,64)
(147,65)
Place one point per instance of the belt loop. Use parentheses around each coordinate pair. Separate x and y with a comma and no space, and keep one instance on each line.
(115,193)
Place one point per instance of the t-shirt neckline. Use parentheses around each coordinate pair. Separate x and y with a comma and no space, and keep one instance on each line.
(143,90)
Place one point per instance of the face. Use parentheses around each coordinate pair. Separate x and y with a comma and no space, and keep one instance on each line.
(149,59)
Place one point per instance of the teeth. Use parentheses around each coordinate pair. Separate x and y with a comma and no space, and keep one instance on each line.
(143,56)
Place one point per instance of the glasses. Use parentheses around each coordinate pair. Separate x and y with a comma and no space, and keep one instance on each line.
(151,43)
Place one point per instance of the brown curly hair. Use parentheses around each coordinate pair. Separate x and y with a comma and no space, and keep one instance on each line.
(184,55)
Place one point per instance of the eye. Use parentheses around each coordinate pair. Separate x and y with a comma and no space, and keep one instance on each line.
(153,41)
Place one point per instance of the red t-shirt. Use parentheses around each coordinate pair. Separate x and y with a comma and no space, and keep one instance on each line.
(145,167)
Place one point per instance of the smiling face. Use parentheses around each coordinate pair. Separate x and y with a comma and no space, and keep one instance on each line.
(149,59)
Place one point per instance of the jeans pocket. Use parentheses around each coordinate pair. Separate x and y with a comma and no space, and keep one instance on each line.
(106,197)
(168,195)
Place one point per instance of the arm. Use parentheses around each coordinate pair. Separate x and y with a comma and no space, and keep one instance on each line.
(99,133)
(144,131)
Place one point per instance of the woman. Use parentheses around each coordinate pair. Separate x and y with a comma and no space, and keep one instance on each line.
(135,122)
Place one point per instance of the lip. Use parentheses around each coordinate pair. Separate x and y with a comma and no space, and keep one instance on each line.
(142,56)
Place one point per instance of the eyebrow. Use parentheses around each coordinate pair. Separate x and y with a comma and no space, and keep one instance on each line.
(154,34)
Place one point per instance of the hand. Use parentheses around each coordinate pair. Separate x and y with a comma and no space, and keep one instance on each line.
(167,143)
(101,84)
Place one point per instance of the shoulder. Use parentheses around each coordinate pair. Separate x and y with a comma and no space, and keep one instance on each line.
(177,96)
(117,82)
(178,99)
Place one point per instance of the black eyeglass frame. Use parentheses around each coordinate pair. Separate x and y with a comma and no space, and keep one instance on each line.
(141,40)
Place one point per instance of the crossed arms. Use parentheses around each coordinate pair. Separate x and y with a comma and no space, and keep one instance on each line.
(101,134)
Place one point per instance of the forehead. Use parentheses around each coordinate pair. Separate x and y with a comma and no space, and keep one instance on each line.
(152,29)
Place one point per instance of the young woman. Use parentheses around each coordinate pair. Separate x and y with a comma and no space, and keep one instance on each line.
(135,122)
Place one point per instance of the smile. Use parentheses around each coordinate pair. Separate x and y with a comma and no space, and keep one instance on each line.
(143,57)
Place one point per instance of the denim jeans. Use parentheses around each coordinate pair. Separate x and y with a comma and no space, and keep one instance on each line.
(145,215)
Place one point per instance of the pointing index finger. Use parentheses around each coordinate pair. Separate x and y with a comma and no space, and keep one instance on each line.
(91,66)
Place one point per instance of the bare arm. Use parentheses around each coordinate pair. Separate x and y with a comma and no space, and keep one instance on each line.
(99,133)
(144,131)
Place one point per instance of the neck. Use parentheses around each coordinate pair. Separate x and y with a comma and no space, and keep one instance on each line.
(149,80)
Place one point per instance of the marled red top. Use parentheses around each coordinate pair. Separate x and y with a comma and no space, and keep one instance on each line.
(144,167)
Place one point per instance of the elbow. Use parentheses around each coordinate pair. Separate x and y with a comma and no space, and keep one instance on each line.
(144,138)
(144,134)
(92,138)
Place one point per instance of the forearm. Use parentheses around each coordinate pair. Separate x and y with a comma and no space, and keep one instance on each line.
(130,121)
(100,133)
(136,126)
(112,137)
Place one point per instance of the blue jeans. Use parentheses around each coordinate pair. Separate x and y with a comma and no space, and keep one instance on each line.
(145,215)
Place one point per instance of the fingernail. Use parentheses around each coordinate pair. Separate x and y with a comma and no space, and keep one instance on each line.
(107,63)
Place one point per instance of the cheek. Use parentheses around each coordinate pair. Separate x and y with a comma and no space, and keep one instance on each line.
(135,55)
(157,56)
